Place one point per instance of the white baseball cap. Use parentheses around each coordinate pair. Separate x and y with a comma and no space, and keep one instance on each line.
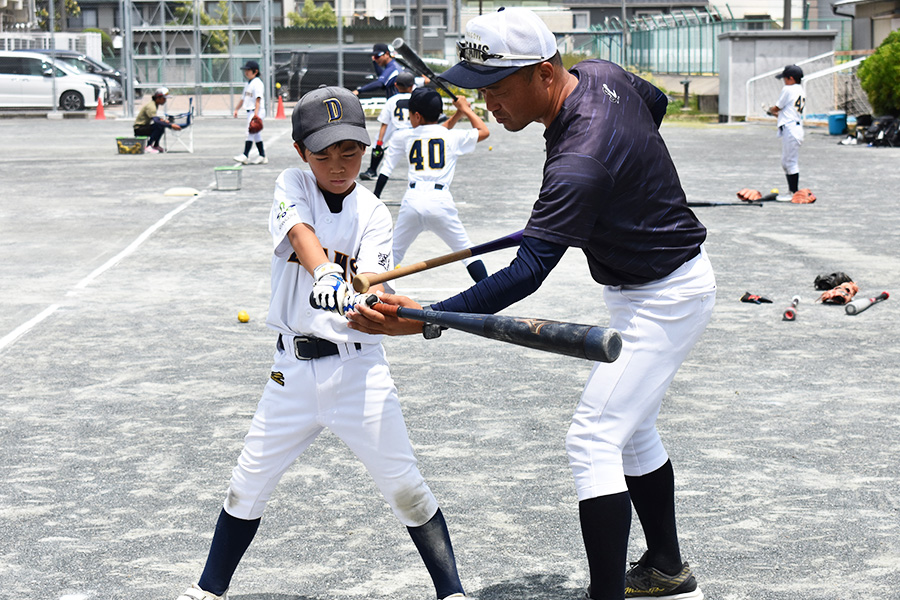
(163,91)
(499,44)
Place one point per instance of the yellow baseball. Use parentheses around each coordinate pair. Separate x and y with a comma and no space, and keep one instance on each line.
(490,147)
(773,191)
(243,317)
(277,86)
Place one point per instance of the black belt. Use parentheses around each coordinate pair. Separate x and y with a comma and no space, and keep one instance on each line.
(437,186)
(795,123)
(308,348)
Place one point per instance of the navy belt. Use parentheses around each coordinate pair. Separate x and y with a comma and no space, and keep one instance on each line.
(437,186)
(308,347)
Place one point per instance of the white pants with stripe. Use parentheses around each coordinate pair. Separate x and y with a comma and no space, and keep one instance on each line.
(613,432)
(791,138)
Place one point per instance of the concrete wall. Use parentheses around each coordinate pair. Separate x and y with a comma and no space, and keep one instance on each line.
(745,54)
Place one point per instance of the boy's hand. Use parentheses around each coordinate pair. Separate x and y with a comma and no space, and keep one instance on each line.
(368,320)
(330,291)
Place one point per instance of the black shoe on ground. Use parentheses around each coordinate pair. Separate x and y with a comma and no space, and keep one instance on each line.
(368,175)
(645,582)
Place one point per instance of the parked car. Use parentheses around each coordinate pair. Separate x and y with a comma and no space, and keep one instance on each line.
(115,80)
(308,69)
(26,81)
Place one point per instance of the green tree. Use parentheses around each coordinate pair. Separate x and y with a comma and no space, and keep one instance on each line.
(214,42)
(313,16)
(42,12)
(879,76)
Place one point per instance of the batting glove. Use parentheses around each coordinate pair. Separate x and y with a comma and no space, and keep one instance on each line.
(378,150)
(354,299)
(330,291)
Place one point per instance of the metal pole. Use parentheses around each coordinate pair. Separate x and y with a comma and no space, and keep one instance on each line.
(787,15)
(268,71)
(420,36)
(624,35)
(54,99)
(128,56)
(340,45)
(408,22)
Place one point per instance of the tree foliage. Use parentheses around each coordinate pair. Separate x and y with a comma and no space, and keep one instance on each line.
(42,13)
(879,76)
(313,16)
(214,42)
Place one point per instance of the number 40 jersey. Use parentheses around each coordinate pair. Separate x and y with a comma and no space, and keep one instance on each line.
(432,151)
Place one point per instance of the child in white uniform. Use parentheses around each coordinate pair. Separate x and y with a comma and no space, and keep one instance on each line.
(253,103)
(325,229)
(430,150)
(789,110)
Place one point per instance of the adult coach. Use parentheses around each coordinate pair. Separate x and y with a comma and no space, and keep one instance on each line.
(148,123)
(610,188)
(386,68)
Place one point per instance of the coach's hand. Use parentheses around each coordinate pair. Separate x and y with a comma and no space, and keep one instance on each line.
(365,319)
(330,291)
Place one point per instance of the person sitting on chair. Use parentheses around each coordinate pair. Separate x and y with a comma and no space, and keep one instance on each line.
(149,124)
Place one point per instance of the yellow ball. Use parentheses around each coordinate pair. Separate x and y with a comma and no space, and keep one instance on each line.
(490,147)
(277,86)
(773,191)
(243,317)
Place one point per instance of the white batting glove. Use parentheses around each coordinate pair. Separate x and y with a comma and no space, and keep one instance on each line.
(330,291)
(354,299)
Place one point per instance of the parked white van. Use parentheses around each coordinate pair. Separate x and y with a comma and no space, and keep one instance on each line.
(26,81)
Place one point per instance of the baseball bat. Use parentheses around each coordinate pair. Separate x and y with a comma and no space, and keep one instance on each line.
(741,203)
(362,283)
(791,313)
(418,65)
(857,306)
(602,344)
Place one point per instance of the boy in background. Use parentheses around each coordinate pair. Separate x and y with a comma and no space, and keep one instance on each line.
(431,151)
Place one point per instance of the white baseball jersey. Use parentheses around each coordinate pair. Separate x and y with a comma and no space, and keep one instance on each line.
(790,104)
(395,114)
(432,152)
(358,238)
(253,89)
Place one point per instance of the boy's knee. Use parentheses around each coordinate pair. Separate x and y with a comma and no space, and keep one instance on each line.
(411,499)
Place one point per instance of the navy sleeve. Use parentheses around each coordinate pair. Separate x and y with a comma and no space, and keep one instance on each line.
(384,80)
(524,275)
(658,109)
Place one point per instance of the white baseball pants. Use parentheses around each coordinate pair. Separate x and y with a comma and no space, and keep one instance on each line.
(791,139)
(613,432)
(426,209)
(352,395)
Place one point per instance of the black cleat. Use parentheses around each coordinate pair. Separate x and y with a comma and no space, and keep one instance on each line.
(645,582)
(368,175)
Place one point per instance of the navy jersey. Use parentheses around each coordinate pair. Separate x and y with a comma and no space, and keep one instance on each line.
(387,79)
(610,186)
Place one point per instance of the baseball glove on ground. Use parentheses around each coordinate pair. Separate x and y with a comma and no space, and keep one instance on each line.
(842,294)
(804,196)
(256,125)
(749,195)
(832,280)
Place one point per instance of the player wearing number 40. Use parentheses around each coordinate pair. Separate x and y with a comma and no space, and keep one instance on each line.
(431,150)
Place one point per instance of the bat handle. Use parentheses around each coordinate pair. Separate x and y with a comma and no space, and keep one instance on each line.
(391,310)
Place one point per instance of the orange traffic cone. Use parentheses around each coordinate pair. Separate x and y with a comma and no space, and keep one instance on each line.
(100,116)
(279,114)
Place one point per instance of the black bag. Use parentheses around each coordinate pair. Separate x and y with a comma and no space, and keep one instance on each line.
(832,280)
(877,131)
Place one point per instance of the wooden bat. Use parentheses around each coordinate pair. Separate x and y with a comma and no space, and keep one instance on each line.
(418,65)
(362,283)
(602,344)
(790,314)
(857,306)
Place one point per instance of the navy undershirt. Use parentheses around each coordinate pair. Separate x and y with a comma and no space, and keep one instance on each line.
(524,275)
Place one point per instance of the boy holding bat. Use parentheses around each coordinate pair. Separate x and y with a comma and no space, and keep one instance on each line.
(430,151)
(325,227)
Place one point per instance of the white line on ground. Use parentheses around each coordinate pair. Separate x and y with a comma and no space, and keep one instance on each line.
(27,326)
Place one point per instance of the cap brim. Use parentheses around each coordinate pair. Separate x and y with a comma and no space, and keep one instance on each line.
(471,76)
(334,134)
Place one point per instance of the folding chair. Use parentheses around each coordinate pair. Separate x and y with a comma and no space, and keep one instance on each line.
(185,137)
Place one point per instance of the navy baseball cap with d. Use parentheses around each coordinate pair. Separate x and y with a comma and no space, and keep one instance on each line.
(379,49)
(250,65)
(791,71)
(497,45)
(326,116)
